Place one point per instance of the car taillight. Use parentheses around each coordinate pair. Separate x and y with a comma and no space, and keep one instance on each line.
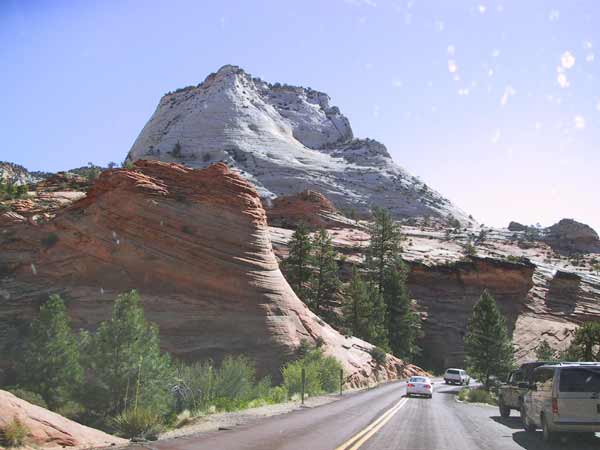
(427,386)
(555,405)
(411,385)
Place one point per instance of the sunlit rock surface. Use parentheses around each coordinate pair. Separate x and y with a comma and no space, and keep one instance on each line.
(286,139)
(195,243)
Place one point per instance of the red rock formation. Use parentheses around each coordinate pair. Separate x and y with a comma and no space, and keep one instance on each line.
(48,429)
(309,207)
(195,243)
(63,181)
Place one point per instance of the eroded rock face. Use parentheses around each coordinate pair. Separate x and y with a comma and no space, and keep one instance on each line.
(573,236)
(50,430)
(308,207)
(285,139)
(195,243)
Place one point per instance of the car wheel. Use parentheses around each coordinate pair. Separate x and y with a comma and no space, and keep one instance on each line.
(527,425)
(548,435)
(504,410)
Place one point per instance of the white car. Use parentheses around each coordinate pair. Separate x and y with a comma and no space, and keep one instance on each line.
(456,376)
(419,386)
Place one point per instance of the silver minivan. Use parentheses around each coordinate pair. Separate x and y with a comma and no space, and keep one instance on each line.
(563,397)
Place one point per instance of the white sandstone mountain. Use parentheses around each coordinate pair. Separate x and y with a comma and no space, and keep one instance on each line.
(285,139)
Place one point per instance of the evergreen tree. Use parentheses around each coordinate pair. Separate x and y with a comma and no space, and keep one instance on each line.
(297,265)
(586,344)
(324,282)
(487,345)
(50,363)
(402,322)
(544,352)
(126,365)
(384,247)
(364,312)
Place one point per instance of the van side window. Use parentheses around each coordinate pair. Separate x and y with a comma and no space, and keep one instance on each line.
(581,379)
(516,377)
(542,378)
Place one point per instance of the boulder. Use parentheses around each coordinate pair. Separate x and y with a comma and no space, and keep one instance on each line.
(573,236)
(516,226)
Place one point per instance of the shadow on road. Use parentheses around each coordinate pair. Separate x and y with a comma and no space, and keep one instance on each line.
(513,422)
(534,441)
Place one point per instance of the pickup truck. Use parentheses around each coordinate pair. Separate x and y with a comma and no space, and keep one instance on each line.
(510,394)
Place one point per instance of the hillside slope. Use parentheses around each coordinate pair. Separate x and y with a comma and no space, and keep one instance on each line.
(285,139)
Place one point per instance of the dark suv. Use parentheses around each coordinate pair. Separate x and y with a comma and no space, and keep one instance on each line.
(510,394)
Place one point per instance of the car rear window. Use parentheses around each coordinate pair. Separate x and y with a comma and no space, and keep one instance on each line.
(417,380)
(453,372)
(582,379)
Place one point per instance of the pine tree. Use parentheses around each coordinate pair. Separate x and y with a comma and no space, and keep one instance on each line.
(50,363)
(124,358)
(586,344)
(384,246)
(364,312)
(324,282)
(297,267)
(402,321)
(487,345)
(544,352)
(357,308)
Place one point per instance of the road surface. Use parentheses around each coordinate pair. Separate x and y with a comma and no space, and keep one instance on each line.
(380,419)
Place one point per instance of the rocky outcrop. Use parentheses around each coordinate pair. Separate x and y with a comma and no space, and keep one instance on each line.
(195,243)
(48,429)
(309,207)
(285,139)
(572,236)
(445,295)
(12,173)
(516,226)
(63,181)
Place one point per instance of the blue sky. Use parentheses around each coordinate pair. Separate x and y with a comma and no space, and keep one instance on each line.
(494,103)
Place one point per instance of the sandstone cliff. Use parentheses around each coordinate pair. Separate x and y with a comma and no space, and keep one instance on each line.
(195,243)
(542,293)
(285,139)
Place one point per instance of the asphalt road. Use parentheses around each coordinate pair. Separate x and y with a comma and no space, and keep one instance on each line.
(381,419)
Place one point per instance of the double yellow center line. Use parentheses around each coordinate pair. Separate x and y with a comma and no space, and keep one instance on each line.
(361,437)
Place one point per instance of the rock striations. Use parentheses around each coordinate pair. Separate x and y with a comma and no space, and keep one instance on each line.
(196,244)
(286,139)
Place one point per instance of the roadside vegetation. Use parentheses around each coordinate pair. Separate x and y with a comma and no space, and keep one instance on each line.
(478,395)
(118,380)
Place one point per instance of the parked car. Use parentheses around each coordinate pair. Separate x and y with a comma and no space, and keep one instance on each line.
(419,386)
(510,394)
(456,376)
(563,397)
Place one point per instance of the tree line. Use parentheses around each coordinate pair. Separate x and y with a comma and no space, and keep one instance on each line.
(374,305)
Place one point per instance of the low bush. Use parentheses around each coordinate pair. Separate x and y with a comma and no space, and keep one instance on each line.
(322,374)
(379,355)
(14,433)
(138,423)
(478,395)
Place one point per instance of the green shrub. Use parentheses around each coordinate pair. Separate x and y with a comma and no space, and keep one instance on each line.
(278,394)
(32,397)
(379,355)
(235,381)
(195,386)
(14,433)
(138,423)
(321,374)
(479,395)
